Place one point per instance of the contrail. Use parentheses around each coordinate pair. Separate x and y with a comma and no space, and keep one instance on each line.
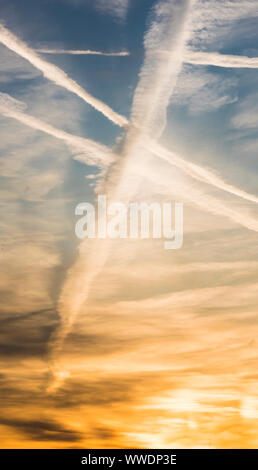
(171,30)
(100,155)
(148,86)
(91,258)
(197,172)
(87,52)
(56,75)
(194,196)
(95,154)
(221,60)
(147,103)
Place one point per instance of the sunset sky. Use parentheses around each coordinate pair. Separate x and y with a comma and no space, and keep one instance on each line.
(121,343)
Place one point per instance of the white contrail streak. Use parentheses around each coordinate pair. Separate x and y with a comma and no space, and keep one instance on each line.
(56,75)
(75,292)
(74,52)
(195,197)
(95,154)
(221,60)
(196,171)
(170,31)
(100,155)
(150,100)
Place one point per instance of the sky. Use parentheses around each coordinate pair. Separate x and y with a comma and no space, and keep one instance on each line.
(120,343)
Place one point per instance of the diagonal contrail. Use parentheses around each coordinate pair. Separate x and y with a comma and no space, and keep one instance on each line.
(95,154)
(196,171)
(56,75)
(90,262)
(171,28)
(158,69)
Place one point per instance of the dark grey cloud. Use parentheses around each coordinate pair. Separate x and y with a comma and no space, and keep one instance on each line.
(103,392)
(92,393)
(19,317)
(42,430)
(97,344)
(26,335)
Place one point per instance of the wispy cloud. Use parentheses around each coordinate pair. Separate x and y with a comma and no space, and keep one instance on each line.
(246,116)
(203,91)
(213,20)
(57,75)
(13,67)
(118,8)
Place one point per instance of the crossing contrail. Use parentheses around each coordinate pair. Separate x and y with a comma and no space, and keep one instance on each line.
(57,76)
(171,29)
(90,262)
